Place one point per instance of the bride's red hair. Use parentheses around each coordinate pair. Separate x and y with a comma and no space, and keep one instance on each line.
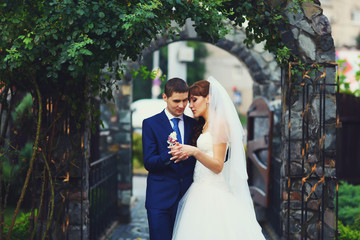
(200,88)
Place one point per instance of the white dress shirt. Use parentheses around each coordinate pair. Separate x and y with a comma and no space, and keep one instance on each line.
(180,124)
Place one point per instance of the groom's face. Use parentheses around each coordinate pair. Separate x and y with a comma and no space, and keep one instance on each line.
(176,103)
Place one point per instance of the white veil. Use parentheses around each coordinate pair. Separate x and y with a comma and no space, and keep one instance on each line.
(225,126)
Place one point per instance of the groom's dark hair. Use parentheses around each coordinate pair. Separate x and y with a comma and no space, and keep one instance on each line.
(175,85)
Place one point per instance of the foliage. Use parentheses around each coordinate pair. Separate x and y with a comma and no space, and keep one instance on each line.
(21,228)
(243,120)
(9,171)
(262,20)
(15,171)
(14,164)
(143,81)
(23,109)
(349,211)
(349,203)
(343,83)
(357,39)
(64,40)
(195,69)
(137,151)
(25,153)
(142,86)
(347,232)
(74,38)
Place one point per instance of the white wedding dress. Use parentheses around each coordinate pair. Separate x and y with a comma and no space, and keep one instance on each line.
(209,211)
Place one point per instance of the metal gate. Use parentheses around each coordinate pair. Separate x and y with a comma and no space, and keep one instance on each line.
(110,187)
(311,125)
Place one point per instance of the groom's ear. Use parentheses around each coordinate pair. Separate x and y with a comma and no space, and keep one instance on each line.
(164,97)
(207,99)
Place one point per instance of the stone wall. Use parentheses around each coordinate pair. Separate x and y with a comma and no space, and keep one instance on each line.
(309,129)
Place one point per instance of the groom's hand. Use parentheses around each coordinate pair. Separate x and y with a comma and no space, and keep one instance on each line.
(177,153)
(181,158)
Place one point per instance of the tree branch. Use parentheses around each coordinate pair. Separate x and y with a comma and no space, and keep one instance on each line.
(31,165)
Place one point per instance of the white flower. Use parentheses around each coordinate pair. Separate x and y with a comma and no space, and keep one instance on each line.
(200,4)
(173,135)
(172,138)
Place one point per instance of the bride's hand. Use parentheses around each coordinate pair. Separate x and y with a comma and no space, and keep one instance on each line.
(181,152)
(177,153)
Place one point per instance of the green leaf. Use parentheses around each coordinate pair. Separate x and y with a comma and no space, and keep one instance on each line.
(86,52)
(52,51)
(71,67)
(80,12)
(27,40)
(101,14)
(95,8)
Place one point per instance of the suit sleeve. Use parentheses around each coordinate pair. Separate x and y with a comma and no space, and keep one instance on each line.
(153,159)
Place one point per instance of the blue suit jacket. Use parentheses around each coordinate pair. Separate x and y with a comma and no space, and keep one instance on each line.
(167,181)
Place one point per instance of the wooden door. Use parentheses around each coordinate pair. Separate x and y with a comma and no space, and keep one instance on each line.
(259,142)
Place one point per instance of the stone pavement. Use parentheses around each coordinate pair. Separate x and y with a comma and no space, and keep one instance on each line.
(138,228)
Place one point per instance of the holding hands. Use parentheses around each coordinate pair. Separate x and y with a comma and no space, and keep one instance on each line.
(181,152)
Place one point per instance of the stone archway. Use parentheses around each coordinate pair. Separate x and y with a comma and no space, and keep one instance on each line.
(309,37)
(261,64)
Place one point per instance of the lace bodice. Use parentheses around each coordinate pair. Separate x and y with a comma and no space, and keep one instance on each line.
(202,173)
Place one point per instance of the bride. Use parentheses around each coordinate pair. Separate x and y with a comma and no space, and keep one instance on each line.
(218,204)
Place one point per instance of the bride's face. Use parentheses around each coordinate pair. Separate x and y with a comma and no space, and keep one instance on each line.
(199,105)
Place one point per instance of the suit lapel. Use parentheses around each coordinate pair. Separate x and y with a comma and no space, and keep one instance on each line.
(187,129)
(165,122)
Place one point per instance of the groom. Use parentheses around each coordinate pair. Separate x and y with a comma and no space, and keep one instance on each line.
(167,181)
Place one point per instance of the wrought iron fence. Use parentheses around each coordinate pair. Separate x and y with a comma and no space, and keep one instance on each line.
(311,196)
(102,194)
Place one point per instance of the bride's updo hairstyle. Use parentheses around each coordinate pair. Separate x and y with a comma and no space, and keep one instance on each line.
(200,88)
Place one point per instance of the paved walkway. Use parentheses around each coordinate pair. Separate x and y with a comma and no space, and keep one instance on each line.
(138,228)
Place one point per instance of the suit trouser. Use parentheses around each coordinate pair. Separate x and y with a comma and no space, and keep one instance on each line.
(161,223)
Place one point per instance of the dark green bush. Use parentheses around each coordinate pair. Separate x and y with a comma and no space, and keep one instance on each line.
(23,110)
(349,232)
(349,203)
(14,171)
(21,227)
(137,151)
(349,211)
